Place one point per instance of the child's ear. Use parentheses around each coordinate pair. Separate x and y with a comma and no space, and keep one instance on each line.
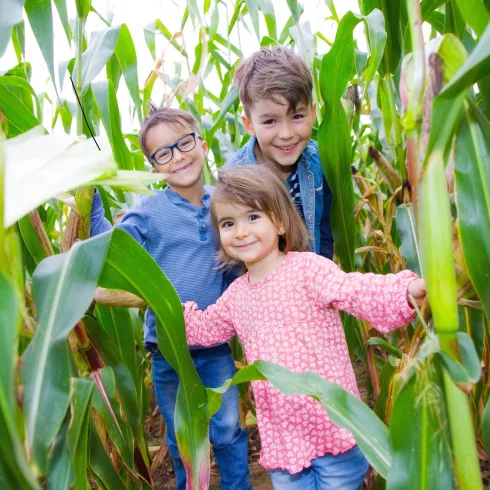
(205,148)
(247,123)
(313,111)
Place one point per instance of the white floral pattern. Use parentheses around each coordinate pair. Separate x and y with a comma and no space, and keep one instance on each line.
(291,318)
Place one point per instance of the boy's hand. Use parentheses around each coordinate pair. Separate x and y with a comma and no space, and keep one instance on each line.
(417,289)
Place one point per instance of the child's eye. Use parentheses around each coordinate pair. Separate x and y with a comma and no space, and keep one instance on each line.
(269,121)
(226,224)
(253,217)
(298,116)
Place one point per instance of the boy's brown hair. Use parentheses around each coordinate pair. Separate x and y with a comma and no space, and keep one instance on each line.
(272,72)
(258,187)
(164,115)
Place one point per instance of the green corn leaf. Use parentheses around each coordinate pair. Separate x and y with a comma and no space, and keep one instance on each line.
(386,346)
(63,287)
(63,13)
(475,14)
(344,409)
(125,379)
(11,14)
(77,436)
(106,99)
(14,469)
(101,465)
(19,118)
(13,81)
(448,104)
(61,474)
(472,177)
(40,16)
(253,11)
(126,55)
(267,8)
(406,226)
(420,436)
(485,427)
(60,162)
(104,401)
(128,267)
(100,49)
(19,41)
(334,133)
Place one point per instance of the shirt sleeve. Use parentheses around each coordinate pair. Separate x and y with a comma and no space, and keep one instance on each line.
(135,222)
(379,299)
(98,222)
(326,237)
(211,326)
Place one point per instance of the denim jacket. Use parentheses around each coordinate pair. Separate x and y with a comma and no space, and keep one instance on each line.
(315,193)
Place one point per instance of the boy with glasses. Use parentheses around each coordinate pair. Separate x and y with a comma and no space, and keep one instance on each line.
(174,226)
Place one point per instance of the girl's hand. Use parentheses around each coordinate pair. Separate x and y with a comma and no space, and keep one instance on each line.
(417,289)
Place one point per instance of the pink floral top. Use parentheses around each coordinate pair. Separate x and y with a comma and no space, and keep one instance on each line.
(291,318)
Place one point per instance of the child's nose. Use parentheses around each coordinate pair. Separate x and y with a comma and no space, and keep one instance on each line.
(241,231)
(178,155)
(286,131)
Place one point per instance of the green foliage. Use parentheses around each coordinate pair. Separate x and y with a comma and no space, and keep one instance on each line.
(85,400)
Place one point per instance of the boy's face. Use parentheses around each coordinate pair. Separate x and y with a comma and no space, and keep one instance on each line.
(282,134)
(185,168)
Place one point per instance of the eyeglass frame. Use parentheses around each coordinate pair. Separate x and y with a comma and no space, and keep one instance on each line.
(175,145)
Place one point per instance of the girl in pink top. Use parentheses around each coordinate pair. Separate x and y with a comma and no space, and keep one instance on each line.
(285,309)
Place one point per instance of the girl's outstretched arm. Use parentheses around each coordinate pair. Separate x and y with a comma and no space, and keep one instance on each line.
(211,326)
(379,299)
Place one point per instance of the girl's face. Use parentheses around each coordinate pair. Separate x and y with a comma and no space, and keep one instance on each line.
(246,234)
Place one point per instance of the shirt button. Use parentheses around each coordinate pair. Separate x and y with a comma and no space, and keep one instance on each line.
(310,216)
(203,226)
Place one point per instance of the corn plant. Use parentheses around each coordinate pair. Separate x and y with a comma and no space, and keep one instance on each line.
(404,138)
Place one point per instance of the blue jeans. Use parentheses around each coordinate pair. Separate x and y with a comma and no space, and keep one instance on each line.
(230,444)
(344,471)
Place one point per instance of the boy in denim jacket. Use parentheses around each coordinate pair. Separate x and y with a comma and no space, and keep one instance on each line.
(174,226)
(275,87)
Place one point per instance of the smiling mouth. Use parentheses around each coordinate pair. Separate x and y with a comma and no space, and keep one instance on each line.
(286,149)
(245,245)
(181,169)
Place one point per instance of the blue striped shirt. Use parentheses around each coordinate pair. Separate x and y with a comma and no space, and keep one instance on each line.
(180,237)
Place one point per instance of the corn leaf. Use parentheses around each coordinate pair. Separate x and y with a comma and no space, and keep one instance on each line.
(63,287)
(10,15)
(472,176)
(14,469)
(475,14)
(344,409)
(60,162)
(77,436)
(40,16)
(419,434)
(128,267)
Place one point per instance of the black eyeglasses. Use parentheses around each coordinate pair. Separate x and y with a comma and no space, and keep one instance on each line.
(164,154)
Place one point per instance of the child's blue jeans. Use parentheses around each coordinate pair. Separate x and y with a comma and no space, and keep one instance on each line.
(230,444)
(344,471)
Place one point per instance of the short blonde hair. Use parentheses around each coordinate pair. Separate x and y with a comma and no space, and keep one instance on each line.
(258,187)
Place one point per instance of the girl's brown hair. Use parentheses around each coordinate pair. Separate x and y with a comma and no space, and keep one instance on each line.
(258,187)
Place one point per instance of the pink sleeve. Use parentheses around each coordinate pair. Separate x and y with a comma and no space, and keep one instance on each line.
(379,299)
(211,326)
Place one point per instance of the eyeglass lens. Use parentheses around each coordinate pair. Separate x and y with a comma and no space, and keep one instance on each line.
(187,143)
